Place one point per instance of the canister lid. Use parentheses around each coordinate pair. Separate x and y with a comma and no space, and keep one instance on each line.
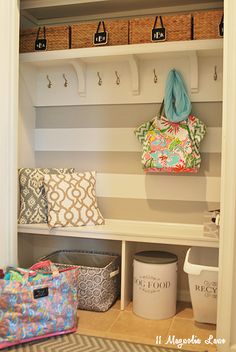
(156,257)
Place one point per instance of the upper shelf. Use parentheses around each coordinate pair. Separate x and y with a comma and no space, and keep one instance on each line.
(134,231)
(200,47)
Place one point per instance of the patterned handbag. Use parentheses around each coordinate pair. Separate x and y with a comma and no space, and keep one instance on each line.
(173,146)
(37,304)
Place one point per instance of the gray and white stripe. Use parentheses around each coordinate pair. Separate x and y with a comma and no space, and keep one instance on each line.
(101,138)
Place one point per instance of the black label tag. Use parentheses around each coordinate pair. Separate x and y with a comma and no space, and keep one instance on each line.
(40,292)
(158,34)
(100,38)
(40,44)
(221,29)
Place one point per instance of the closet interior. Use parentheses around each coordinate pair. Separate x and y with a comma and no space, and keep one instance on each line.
(79,108)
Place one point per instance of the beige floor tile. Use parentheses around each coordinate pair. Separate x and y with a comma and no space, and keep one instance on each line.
(131,326)
(184,310)
(97,321)
(116,305)
(121,337)
(186,328)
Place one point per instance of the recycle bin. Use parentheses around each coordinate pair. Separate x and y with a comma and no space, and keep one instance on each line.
(155,284)
(201,265)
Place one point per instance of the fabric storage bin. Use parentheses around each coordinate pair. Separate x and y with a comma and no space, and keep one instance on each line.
(99,279)
(178,27)
(58,38)
(82,34)
(206,24)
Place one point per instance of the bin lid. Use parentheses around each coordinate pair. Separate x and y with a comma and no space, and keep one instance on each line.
(156,257)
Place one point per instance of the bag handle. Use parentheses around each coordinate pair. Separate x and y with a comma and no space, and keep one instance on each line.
(222,20)
(155,23)
(99,24)
(45,264)
(161,109)
(38,32)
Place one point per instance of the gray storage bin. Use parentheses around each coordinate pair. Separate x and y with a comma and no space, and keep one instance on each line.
(99,279)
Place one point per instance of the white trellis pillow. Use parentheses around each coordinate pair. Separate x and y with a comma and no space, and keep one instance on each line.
(72,200)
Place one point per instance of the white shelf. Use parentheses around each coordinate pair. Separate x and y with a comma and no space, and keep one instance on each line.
(133,231)
(202,47)
(135,64)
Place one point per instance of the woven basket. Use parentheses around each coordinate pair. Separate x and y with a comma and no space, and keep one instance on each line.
(82,33)
(206,24)
(178,27)
(58,38)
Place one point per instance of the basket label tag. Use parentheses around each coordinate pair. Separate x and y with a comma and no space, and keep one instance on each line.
(40,292)
(40,44)
(158,34)
(100,38)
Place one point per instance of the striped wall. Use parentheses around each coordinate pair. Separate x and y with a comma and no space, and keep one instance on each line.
(101,138)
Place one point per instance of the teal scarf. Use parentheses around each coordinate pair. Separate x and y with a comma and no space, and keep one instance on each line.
(177,102)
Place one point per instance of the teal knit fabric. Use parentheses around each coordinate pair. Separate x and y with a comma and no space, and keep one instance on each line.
(177,102)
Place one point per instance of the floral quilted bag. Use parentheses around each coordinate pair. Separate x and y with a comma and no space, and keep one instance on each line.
(36,304)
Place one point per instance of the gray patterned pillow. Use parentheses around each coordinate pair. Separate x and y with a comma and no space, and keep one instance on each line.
(33,202)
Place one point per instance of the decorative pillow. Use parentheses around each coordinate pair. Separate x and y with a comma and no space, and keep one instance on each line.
(72,200)
(33,202)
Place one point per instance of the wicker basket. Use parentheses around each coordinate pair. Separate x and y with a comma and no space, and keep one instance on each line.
(206,24)
(58,38)
(82,33)
(178,27)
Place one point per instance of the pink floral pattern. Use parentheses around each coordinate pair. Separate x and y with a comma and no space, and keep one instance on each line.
(24,318)
(173,147)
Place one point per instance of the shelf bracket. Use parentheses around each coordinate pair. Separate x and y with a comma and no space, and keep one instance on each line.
(80,69)
(134,70)
(193,71)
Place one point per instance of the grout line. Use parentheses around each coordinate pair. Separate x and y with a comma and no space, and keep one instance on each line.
(170,327)
(112,324)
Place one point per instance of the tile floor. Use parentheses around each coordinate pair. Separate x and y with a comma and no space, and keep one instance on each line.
(125,325)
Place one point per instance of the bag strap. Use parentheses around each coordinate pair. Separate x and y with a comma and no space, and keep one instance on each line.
(45,264)
(38,32)
(192,27)
(155,23)
(161,109)
(99,24)
(222,20)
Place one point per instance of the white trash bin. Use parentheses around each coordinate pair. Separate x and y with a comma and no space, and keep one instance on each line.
(155,284)
(201,265)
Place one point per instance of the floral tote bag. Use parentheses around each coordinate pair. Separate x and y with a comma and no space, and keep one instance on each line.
(36,304)
(173,146)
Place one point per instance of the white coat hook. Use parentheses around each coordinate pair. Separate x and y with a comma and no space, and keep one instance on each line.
(117,78)
(155,76)
(66,82)
(215,73)
(49,82)
(99,79)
